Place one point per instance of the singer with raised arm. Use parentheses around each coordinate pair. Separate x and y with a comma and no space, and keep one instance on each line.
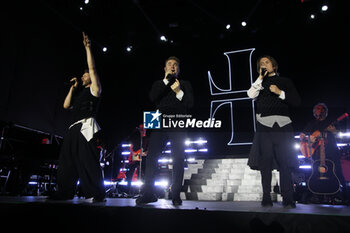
(273,141)
(170,95)
(79,156)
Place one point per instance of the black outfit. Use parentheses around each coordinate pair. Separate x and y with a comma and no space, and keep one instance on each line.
(272,147)
(167,103)
(79,158)
(331,149)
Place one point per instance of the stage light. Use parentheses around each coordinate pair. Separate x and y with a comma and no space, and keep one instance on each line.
(164,160)
(324,8)
(296,145)
(86,1)
(104,49)
(137,183)
(162,183)
(312,16)
(344,134)
(129,48)
(244,23)
(228,26)
(123,183)
(190,150)
(163,38)
(305,166)
(341,144)
(199,142)
(107,182)
(190,159)
(81,8)
(203,150)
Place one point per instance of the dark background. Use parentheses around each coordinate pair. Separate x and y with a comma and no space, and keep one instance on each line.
(41,48)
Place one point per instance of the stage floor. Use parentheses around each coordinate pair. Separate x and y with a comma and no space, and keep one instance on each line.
(162,216)
(237,206)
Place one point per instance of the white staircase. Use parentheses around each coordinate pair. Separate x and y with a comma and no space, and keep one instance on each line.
(224,180)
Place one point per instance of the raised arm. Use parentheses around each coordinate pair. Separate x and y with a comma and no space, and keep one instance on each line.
(95,80)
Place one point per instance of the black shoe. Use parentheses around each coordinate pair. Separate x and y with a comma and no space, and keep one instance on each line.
(148,198)
(177,201)
(266,203)
(289,205)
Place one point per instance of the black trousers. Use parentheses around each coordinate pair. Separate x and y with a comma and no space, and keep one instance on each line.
(276,145)
(79,160)
(157,141)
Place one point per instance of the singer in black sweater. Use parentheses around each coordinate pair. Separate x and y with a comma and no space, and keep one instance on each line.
(273,141)
(170,96)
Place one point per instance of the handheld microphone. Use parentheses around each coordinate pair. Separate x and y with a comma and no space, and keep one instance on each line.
(70,83)
(171,78)
(263,70)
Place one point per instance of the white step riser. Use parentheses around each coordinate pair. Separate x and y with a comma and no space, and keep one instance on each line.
(232,180)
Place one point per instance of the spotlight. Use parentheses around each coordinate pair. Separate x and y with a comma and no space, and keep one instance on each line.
(324,8)
(86,1)
(104,49)
(129,48)
(228,26)
(163,38)
(244,23)
(81,8)
(162,183)
(297,146)
(312,16)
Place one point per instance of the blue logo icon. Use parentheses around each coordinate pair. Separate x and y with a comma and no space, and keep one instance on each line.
(151,120)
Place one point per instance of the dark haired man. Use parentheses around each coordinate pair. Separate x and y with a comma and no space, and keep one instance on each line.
(170,96)
(79,157)
(273,141)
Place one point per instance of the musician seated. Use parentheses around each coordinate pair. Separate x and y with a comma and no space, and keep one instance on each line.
(318,128)
(134,163)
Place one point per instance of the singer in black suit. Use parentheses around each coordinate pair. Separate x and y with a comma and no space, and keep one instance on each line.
(273,141)
(170,95)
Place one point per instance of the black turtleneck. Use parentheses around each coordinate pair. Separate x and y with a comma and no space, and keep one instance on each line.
(269,104)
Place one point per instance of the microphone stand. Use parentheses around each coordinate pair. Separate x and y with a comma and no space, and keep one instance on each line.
(141,154)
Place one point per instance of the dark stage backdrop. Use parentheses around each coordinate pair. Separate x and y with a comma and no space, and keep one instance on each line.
(41,48)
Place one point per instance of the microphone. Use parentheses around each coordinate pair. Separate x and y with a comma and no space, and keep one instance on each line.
(263,70)
(70,83)
(171,78)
